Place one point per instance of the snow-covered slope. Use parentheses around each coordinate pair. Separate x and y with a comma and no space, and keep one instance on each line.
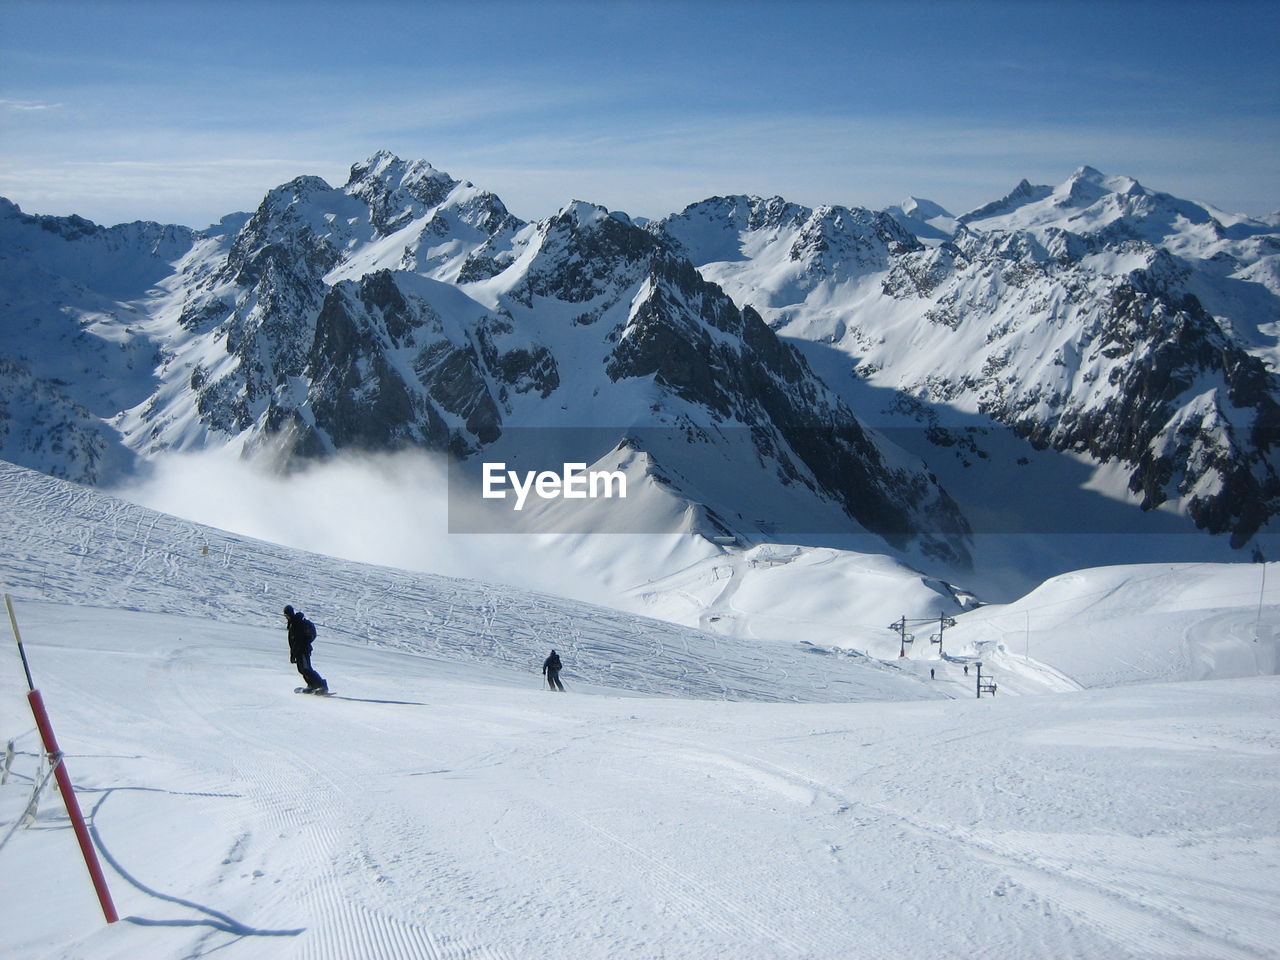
(825,597)
(64,541)
(926,220)
(393,510)
(442,806)
(1136,624)
(1089,628)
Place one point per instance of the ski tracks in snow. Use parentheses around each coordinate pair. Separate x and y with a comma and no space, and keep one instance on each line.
(1078,890)
(113,553)
(714,906)
(300,802)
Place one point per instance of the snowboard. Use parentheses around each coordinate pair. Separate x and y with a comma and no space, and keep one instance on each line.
(314,693)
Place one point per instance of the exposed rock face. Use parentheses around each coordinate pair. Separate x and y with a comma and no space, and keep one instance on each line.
(43,427)
(1096,317)
(408,309)
(694,342)
(411,310)
(1128,367)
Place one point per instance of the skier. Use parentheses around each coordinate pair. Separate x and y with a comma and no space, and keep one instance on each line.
(302,632)
(551,670)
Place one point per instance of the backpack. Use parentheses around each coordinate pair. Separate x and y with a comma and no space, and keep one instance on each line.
(306,628)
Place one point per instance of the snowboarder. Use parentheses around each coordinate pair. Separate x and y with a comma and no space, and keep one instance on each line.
(302,633)
(551,670)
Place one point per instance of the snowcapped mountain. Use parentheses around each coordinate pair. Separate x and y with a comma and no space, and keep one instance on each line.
(1129,329)
(410,310)
(924,219)
(726,359)
(73,355)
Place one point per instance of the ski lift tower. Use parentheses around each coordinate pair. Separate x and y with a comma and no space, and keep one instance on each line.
(900,627)
(943,623)
(985,686)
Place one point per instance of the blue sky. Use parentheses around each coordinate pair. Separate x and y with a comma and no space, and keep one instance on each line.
(185,111)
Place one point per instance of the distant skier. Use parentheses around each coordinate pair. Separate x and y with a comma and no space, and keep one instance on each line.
(551,670)
(302,633)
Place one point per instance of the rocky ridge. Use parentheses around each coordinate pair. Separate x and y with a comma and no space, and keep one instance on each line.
(407,309)
(1097,318)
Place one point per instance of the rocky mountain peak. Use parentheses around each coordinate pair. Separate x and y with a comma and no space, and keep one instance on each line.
(297,190)
(584,254)
(1103,183)
(1087,173)
(835,238)
(1096,316)
(1086,186)
(387,168)
(580,215)
(397,191)
(1021,195)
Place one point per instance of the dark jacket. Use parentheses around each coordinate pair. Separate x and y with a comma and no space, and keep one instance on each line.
(551,664)
(302,633)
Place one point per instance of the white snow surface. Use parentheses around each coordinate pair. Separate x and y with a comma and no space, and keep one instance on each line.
(442,805)
(1136,624)
(73,544)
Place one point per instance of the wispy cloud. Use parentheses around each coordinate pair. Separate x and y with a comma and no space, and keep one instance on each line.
(861,160)
(26,106)
(645,166)
(641,107)
(195,191)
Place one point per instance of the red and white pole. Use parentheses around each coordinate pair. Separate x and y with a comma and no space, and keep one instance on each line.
(65,786)
(73,807)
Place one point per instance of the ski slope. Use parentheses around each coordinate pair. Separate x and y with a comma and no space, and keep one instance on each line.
(74,545)
(1136,624)
(441,805)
